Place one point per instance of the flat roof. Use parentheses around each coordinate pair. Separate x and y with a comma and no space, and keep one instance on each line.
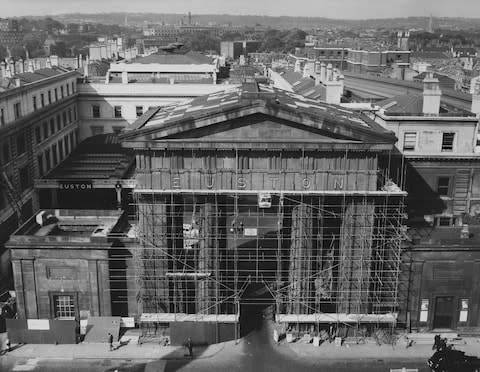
(69,225)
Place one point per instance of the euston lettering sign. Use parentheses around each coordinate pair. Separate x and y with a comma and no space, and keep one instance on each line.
(75,185)
(271,183)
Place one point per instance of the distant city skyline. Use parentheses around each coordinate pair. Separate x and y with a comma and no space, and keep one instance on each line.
(339,9)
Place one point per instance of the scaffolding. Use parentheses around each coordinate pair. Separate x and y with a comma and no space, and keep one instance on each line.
(318,256)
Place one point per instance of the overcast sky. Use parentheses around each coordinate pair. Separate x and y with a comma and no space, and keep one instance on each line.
(353,9)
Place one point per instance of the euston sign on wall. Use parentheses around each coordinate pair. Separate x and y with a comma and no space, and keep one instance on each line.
(269,182)
(75,185)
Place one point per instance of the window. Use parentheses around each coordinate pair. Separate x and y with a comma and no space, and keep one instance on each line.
(17,110)
(63,306)
(56,94)
(60,149)
(69,115)
(68,89)
(424,310)
(49,97)
(447,141)
(47,160)
(34,102)
(139,110)
(443,186)
(38,135)
(6,153)
(54,155)
(73,87)
(42,99)
(463,310)
(24,178)
(52,126)
(2,116)
(59,123)
(65,144)
(40,164)
(21,148)
(96,111)
(444,221)
(117,111)
(74,113)
(45,130)
(61,91)
(64,118)
(97,130)
(409,141)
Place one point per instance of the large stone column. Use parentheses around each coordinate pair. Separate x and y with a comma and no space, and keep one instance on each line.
(150,257)
(355,257)
(205,288)
(300,268)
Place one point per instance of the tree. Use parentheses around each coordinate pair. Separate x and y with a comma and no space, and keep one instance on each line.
(203,42)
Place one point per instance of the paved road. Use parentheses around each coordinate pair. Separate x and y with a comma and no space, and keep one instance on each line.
(254,353)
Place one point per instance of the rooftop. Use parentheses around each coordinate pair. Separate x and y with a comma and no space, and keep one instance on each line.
(252,98)
(98,157)
(7,83)
(429,236)
(412,105)
(74,226)
(304,86)
(175,57)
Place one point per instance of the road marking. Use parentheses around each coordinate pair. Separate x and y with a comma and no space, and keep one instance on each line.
(30,365)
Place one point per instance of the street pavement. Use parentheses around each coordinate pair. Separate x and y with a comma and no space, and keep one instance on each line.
(255,352)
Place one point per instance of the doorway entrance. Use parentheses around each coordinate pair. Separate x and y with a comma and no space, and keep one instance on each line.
(256,305)
(444,310)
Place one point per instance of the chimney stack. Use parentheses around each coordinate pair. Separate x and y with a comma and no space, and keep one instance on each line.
(329,72)
(85,68)
(476,98)
(335,74)
(308,69)
(298,66)
(22,66)
(30,66)
(318,77)
(12,67)
(323,72)
(431,95)
(124,77)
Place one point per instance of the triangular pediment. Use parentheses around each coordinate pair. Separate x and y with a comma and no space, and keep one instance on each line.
(256,128)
